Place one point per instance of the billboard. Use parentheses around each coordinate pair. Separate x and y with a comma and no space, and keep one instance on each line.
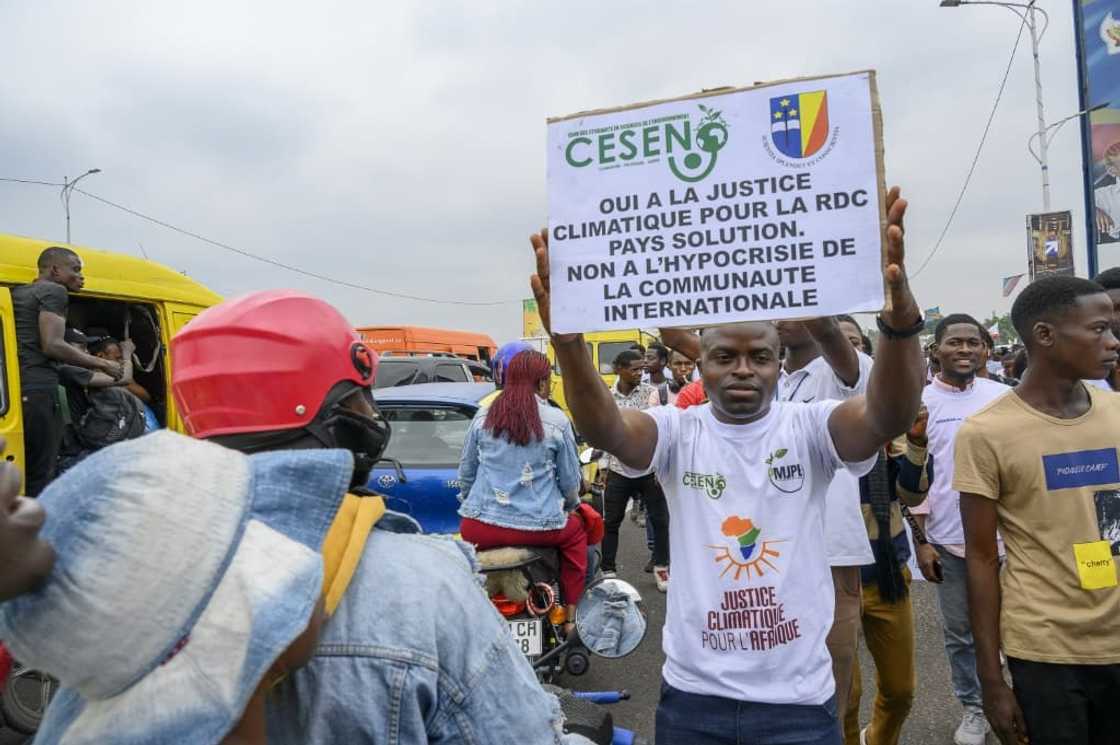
(1098,41)
(531,319)
(1050,243)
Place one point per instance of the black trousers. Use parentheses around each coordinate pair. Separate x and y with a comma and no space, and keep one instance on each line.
(42,436)
(618,492)
(1068,704)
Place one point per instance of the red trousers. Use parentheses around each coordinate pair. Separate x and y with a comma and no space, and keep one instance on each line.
(571,540)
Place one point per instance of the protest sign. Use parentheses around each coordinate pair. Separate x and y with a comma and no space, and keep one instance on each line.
(728,205)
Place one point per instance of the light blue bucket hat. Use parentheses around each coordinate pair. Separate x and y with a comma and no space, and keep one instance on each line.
(184,570)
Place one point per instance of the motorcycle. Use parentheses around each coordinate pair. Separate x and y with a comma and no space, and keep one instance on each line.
(523,584)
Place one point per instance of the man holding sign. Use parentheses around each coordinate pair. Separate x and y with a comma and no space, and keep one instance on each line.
(745,477)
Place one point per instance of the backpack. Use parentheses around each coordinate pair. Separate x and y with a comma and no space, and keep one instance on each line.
(114,415)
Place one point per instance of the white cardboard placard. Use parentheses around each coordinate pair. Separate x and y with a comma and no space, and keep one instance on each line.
(731,205)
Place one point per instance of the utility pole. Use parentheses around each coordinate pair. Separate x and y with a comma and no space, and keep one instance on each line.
(67,190)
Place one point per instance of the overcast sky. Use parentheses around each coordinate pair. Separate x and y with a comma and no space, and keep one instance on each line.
(401,145)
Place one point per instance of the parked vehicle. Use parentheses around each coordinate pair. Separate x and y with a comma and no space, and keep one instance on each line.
(420,473)
(129,297)
(420,340)
(603,346)
(394,371)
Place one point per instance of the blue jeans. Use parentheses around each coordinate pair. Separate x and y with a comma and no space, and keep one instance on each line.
(712,720)
(952,597)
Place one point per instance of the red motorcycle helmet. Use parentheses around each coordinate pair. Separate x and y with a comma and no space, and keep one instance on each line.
(265,362)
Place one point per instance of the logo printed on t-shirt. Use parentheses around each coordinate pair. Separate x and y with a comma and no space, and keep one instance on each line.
(711,484)
(746,553)
(748,619)
(1081,468)
(787,478)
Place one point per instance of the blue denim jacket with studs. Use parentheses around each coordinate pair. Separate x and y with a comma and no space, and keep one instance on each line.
(525,487)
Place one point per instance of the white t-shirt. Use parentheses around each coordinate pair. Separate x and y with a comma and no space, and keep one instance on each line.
(751,600)
(948,408)
(845,532)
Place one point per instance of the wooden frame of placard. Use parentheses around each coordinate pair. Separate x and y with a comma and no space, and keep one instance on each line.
(876,124)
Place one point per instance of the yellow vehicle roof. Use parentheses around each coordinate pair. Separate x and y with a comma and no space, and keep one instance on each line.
(106,273)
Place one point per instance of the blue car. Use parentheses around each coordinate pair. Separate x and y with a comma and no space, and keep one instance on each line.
(430,423)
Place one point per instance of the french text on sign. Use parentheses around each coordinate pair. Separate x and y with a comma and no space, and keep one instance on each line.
(718,208)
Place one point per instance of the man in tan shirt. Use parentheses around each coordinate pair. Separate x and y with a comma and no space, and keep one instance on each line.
(1041,465)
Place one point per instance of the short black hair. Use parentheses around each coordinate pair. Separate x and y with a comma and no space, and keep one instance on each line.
(953,319)
(1046,298)
(662,352)
(1109,279)
(98,344)
(845,318)
(54,255)
(865,342)
(626,357)
(986,335)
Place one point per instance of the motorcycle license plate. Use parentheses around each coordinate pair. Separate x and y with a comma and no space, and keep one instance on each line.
(528,635)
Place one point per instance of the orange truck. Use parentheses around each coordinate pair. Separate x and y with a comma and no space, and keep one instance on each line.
(417,340)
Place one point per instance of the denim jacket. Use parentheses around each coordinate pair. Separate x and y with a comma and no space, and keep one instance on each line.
(415,653)
(525,487)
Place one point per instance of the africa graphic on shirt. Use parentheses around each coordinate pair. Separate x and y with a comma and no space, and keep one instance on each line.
(749,618)
(745,554)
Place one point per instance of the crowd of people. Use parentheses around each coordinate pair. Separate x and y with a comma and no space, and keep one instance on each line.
(242,584)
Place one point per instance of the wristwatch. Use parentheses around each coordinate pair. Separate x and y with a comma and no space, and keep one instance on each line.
(891,333)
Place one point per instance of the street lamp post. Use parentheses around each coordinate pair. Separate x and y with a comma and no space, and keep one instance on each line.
(1031,21)
(1045,137)
(67,190)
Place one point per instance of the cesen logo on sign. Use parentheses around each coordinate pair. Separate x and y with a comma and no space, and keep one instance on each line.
(684,144)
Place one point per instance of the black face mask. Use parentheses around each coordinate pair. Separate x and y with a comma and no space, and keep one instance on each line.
(364,436)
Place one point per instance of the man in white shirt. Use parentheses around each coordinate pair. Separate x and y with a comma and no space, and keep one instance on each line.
(955,394)
(745,476)
(822,364)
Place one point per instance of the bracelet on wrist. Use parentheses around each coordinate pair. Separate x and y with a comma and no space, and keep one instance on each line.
(906,333)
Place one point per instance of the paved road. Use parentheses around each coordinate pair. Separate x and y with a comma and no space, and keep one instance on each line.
(932,721)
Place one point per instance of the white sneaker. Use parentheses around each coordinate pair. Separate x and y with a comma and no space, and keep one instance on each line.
(661,576)
(863,736)
(973,728)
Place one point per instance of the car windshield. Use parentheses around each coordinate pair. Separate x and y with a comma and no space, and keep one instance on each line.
(427,435)
(390,374)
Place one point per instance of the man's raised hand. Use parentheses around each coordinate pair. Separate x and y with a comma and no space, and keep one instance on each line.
(539,282)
